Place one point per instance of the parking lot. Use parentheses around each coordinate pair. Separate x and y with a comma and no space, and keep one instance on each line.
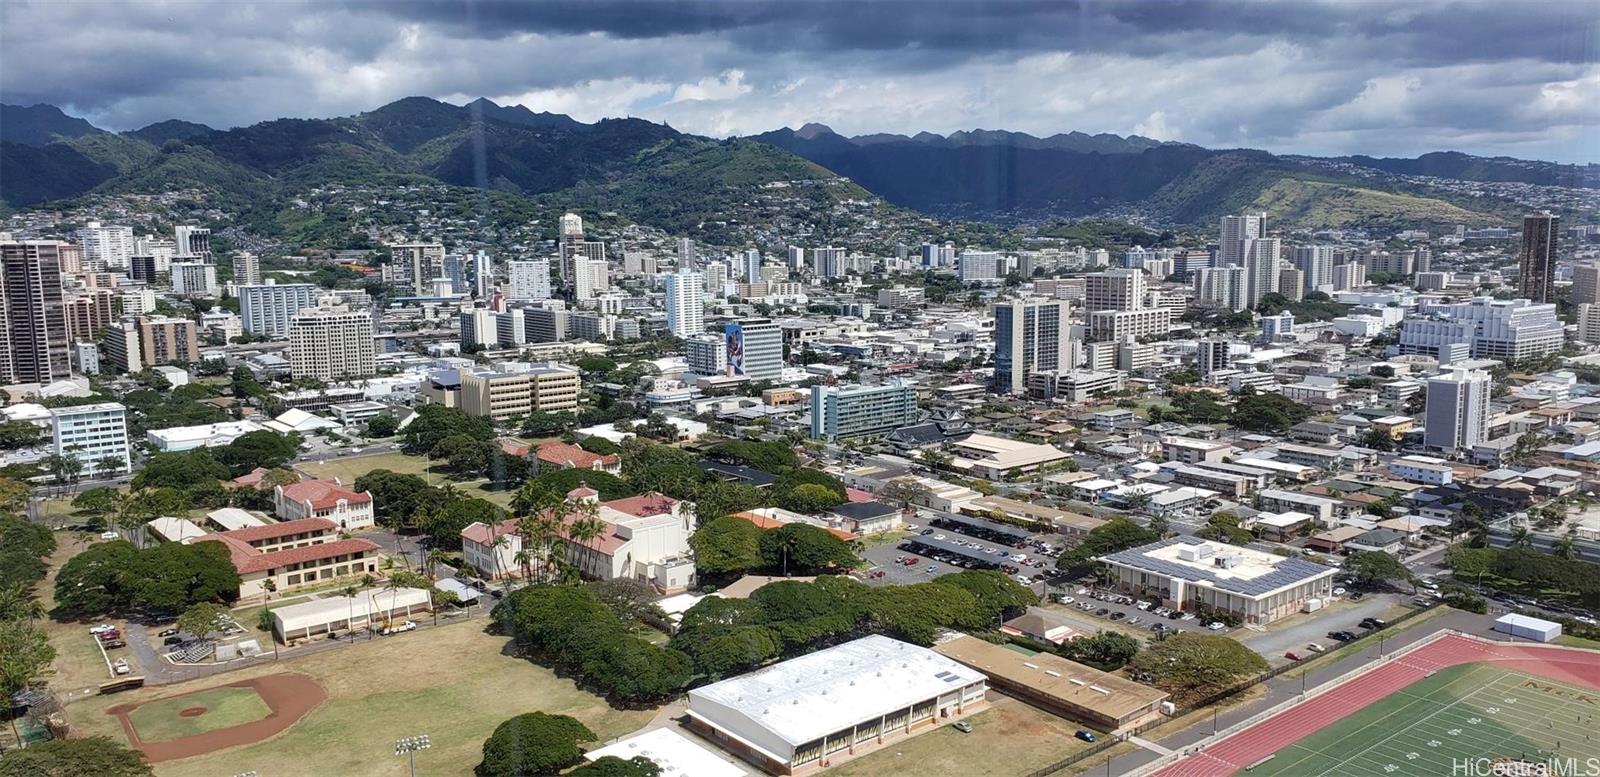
(1109,605)
(936,547)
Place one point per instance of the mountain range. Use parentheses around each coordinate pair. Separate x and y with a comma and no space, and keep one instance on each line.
(658,175)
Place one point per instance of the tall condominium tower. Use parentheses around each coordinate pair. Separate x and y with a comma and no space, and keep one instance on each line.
(1539,234)
(33,328)
(686,303)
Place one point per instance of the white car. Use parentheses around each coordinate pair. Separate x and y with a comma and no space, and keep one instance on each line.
(938,536)
(1081,591)
(1216,626)
(912,527)
(102,628)
(1338,592)
(1020,557)
(1067,600)
(1144,606)
(109,535)
(400,629)
(1188,616)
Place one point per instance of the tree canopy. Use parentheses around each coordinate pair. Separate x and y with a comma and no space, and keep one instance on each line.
(533,743)
(1107,651)
(116,577)
(1193,666)
(1373,567)
(98,756)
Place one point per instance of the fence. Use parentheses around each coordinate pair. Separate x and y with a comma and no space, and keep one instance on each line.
(1216,698)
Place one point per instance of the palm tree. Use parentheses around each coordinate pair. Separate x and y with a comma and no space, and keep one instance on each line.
(1138,500)
(436,557)
(500,541)
(349,593)
(524,561)
(270,586)
(1521,537)
(1566,547)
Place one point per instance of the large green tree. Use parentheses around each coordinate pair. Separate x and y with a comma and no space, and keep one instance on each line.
(726,545)
(179,470)
(801,548)
(532,744)
(1193,666)
(116,578)
(88,757)
(259,449)
(612,766)
(1107,651)
(1372,567)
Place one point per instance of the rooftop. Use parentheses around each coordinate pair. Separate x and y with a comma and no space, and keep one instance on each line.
(1248,572)
(810,696)
(1055,677)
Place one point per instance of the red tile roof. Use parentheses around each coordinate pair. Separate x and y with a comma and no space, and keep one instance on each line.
(857,495)
(514,448)
(643,505)
(247,559)
(322,494)
(573,457)
(484,534)
(274,531)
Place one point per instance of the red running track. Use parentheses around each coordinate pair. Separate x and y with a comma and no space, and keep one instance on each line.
(1238,750)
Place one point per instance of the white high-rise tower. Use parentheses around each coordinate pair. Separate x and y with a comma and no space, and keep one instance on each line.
(686,303)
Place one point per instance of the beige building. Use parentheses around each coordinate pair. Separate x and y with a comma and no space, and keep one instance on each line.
(501,395)
(165,340)
(294,554)
(332,342)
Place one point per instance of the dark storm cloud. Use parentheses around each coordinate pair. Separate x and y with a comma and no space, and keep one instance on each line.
(1391,77)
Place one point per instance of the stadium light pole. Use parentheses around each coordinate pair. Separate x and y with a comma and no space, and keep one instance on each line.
(409,746)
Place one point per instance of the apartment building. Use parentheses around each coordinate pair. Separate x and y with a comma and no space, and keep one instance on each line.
(501,395)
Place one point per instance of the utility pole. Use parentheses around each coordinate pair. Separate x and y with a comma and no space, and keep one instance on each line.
(409,747)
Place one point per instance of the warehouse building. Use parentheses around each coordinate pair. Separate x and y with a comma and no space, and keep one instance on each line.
(369,608)
(1067,688)
(814,711)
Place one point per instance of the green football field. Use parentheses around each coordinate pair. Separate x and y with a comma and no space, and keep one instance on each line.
(1472,711)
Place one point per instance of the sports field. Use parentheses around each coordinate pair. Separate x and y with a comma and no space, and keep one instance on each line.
(1449,702)
(1472,711)
(197,713)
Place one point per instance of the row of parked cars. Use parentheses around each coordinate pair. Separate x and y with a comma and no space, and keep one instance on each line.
(1151,606)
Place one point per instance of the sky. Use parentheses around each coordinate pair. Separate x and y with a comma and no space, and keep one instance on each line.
(1392,78)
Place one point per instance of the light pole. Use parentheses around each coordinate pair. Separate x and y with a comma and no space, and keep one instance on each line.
(409,747)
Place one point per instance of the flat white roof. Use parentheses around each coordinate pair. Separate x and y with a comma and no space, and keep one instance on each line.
(676,754)
(808,697)
(320,612)
(231,518)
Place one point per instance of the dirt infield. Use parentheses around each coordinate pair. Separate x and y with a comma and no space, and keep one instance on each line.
(290,696)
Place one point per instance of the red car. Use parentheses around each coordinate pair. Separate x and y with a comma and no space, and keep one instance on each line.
(1292,656)
(911,561)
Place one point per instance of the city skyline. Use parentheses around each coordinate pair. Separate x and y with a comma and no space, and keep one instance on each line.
(1315,78)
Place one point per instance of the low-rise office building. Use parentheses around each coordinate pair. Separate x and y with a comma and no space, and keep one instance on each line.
(1187,573)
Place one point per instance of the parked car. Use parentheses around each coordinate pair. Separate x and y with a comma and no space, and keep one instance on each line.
(925,532)
(1118,615)
(962,726)
(1357,596)
(1292,656)
(1216,626)
(121,666)
(167,632)
(1084,735)
(400,628)
(1315,648)
(173,640)
(102,627)
(1338,592)
(109,535)
(113,643)
(1373,623)
(1342,636)
(1144,605)
(1103,611)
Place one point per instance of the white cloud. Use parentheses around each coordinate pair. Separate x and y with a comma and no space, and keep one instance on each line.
(726,86)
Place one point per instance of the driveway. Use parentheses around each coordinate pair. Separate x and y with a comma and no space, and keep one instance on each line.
(1302,630)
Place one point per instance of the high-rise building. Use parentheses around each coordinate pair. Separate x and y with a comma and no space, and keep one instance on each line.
(267,309)
(845,412)
(1119,289)
(575,253)
(827,262)
(193,242)
(980,266)
(87,312)
(142,268)
(589,278)
(1509,330)
(755,348)
(1187,263)
(122,348)
(194,279)
(1261,258)
(1291,284)
(1118,325)
(796,259)
(571,225)
(246,269)
(478,328)
(1586,283)
(511,328)
(715,275)
(528,280)
(1540,234)
(547,325)
(1222,285)
(686,303)
(751,268)
(96,435)
(413,266)
(1235,230)
(1213,354)
(934,255)
(549,388)
(482,275)
(1457,409)
(686,258)
(166,340)
(1349,276)
(34,341)
(706,354)
(1030,335)
(332,342)
(1589,322)
(1316,265)
(105,246)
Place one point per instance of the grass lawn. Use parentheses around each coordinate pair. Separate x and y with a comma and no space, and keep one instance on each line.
(1577,642)
(79,666)
(161,721)
(348,468)
(1010,738)
(452,683)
